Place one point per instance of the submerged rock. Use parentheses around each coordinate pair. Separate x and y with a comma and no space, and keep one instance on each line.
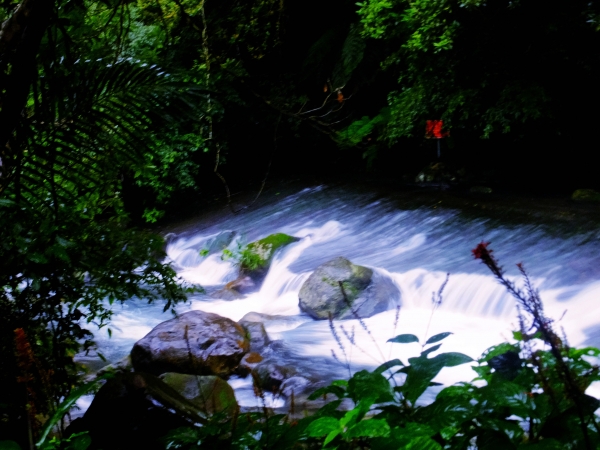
(196,342)
(269,375)
(256,334)
(219,243)
(366,292)
(209,393)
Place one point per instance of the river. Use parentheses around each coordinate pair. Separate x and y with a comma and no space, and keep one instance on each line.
(416,246)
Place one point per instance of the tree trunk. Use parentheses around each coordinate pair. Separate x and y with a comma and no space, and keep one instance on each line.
(20,38)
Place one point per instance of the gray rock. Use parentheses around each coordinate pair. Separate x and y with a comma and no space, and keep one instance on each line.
(366,292)
(226,294)
(220,242)
(257,335)
(195,343)
(209,393)
(270,375)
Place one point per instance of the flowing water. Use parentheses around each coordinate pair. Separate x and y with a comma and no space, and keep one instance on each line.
(415,247)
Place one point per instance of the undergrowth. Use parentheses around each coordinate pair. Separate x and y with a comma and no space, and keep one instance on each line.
(528,394)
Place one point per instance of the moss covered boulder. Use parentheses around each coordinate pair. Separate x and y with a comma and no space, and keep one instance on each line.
(586,196)
(209,393)
(196,342)
(255,261)
(364,294)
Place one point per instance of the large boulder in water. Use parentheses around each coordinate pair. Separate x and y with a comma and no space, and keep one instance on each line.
(196,342)
(365,292)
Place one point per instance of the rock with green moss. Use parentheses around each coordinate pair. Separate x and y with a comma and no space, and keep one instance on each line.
(209,393)
(586,195)
(256,258)
(363,293)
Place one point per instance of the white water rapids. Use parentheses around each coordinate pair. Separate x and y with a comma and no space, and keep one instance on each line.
(414,247)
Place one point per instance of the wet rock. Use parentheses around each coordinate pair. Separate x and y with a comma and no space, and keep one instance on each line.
(209,393)
(586,195)
(135,410)
(261,254)
(219,243)
(366,292)
(196,342)
(256,334)
(270,375)
(235,290)
(122,366)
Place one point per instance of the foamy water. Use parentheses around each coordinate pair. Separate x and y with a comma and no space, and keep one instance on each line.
(414,248)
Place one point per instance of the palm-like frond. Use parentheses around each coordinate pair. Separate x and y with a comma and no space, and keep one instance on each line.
(90,122)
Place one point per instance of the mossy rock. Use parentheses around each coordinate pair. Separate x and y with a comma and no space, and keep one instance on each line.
(586,195)
(261,254)
(365,292)
(209,393)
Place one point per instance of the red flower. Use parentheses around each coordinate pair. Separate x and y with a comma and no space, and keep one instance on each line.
(433,129)
(481,251)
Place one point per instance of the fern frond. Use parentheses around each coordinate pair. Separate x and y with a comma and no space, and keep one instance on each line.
(92,121)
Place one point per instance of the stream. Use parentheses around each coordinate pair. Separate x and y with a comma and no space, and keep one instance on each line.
(414,246)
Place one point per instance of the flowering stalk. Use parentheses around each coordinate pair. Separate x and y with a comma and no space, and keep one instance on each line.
(532,304)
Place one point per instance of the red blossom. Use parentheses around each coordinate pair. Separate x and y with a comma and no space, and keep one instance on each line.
(481,251)
(433,129)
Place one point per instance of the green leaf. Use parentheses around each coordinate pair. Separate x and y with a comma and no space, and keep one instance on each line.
(431,350)
(338,391)
(368,386)
(517,335)
(452,359)
(438,337)
(79,441)
(404,339)
(9,445)
(388,365)
(369,428)
(423,370)
(323,426)
(331,436)
(422,443)
(351,416)
(493,440)
(498,350)
(545,444)
(67,404)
